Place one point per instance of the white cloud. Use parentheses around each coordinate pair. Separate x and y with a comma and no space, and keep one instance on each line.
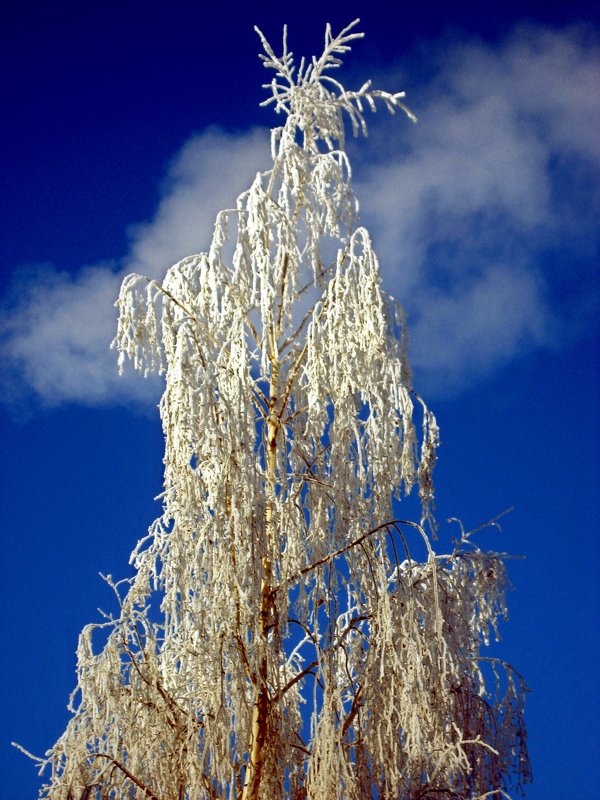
(474,328)
(473,212)
(483,209)
(206,176)
(56,336)
(57,341)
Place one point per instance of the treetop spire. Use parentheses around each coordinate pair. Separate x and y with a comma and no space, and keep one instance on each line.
(313,99)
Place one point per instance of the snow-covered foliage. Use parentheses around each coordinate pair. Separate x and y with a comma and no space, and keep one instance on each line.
(278,640)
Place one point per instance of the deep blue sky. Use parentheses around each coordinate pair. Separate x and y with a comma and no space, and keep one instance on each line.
(485,219)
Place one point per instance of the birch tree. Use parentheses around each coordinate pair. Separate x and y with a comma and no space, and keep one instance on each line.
(278,640)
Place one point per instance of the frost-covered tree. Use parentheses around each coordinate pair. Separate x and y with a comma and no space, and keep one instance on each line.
(278,640)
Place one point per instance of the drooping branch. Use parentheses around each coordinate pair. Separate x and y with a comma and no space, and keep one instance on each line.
(145,789)
(355,543)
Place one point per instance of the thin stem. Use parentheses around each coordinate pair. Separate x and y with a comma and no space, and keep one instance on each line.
(147,791)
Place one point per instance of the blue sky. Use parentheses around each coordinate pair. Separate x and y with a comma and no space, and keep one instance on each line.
(128,126)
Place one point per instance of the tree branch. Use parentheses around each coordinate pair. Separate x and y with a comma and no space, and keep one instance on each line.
(148,792)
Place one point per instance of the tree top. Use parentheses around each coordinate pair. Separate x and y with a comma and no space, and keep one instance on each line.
(313,99)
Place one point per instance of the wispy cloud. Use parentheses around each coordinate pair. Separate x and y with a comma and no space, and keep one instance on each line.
(484,211)
(206,175)
(481,215)
(57,327)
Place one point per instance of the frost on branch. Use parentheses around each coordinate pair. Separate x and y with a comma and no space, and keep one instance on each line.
(278,640)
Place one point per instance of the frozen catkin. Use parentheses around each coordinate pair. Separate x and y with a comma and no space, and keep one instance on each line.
(278,640)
